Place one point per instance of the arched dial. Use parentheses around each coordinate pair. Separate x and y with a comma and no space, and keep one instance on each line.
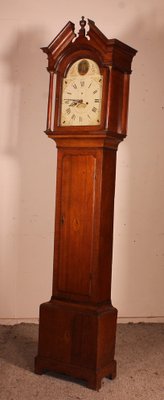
(82,95)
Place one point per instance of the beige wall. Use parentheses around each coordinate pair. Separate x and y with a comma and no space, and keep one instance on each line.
(28,157)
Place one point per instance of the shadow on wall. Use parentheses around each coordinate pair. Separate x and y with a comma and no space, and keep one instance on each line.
(139,223)
(23,172)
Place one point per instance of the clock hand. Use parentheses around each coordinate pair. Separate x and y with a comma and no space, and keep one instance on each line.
(75,100)
(74,103)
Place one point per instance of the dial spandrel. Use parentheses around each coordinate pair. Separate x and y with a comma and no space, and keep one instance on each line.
(82,95)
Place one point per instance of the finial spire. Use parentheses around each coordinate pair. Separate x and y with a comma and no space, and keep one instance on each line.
(82,29)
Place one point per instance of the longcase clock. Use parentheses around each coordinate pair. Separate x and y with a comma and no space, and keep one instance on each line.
(87,118)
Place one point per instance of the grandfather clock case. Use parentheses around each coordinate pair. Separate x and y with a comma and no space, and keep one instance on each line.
(87,118)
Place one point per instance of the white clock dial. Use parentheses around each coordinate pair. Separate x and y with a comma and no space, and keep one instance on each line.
(82,95)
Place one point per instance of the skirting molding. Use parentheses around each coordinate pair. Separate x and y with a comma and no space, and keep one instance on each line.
(121,320)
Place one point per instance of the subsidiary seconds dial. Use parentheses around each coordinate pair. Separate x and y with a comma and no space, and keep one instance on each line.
(82,95)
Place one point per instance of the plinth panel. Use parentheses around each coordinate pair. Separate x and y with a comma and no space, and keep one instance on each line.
(77,341)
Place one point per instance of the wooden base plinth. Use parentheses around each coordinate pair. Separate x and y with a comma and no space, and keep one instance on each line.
(78,341)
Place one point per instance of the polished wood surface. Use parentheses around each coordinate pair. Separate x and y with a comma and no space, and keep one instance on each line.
(77,327)
(76,224)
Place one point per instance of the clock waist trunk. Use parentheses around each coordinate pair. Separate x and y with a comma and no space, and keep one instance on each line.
(84,224)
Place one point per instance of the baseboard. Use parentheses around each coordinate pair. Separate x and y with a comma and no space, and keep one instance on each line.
(121,320)
(136,320)
(14,321)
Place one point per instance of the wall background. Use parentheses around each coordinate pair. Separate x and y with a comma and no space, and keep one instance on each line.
(28,157)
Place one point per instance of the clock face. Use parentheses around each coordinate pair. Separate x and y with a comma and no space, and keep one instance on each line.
(82,95)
